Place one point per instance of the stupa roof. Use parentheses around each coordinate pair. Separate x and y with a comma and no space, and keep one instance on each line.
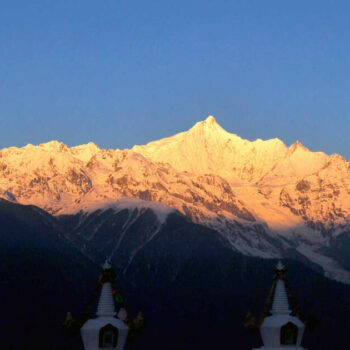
(280,304)
(106,306)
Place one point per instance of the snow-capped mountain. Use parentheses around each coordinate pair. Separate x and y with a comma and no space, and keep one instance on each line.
(265,199)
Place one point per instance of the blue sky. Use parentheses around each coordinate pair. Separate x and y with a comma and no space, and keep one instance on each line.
(121,73)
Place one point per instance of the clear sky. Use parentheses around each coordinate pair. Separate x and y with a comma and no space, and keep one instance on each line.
(125,72)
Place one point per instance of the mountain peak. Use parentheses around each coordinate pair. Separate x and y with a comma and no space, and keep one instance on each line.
(85,152)
(208,126)
(210,121)
(54,146)
(297,145)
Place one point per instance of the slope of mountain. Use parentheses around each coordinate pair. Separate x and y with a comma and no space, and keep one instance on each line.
(192,288)
(42,277)
(266,199)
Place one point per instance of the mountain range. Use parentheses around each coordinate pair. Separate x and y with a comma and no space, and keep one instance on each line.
(263,198)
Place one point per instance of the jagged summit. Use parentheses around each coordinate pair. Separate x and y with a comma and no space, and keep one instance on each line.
(85,152)
(208,148)
(209,130)
(209,122)
(54,146)
(210,119)
(298,145)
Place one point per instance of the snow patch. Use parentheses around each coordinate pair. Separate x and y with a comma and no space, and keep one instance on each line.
(161,210)
(331,267)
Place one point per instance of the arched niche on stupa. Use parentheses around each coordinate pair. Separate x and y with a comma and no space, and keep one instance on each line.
(289,334)
(108,337)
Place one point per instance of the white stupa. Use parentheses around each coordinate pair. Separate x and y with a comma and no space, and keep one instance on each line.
(281,330)
(106,331)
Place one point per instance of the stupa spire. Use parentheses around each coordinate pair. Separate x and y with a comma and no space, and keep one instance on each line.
(280,304)
(106,306)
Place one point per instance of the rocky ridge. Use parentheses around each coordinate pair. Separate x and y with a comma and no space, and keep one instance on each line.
(267,199)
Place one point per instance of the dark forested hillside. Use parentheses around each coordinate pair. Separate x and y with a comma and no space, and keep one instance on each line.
(41,278)
(192,289)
